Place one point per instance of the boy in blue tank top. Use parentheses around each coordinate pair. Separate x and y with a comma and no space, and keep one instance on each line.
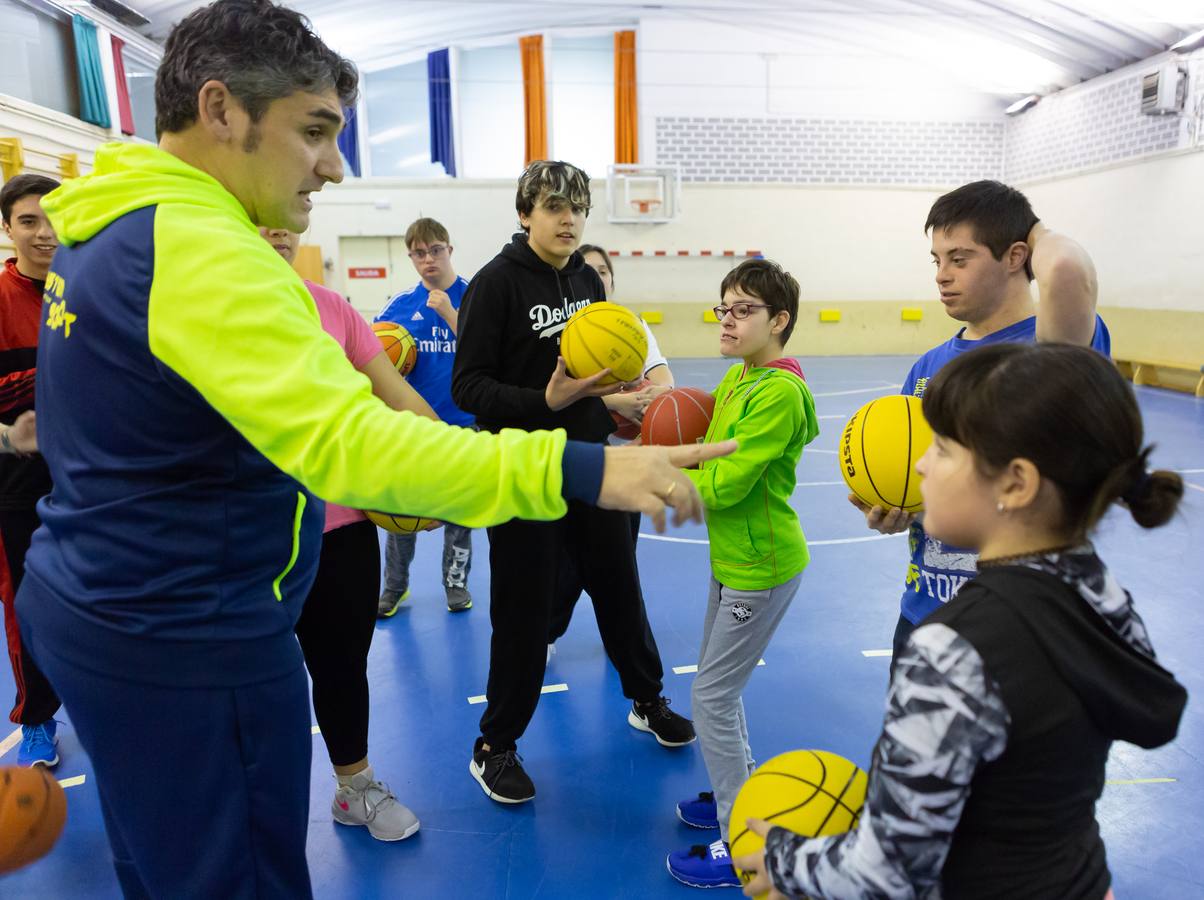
(988,246)
(430,311)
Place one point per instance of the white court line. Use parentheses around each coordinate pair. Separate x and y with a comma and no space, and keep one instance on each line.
(877,653)
(803,484)
(828,452)
(1189,471)
(859,391)
(546,689)
(315,730)
(1194,487)
(1141,781)
(690,670)
(825,418)
(856,540)
(9,742)
(73,782)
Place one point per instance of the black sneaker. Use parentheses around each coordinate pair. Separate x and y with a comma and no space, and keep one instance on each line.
(669,729)
(500,774)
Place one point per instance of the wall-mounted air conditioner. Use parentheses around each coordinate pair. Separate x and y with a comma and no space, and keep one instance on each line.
(1164,90)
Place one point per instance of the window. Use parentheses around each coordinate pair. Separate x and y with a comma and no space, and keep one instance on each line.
(140,80)
(581,75)
(37,58)
(399,123)
(490,82)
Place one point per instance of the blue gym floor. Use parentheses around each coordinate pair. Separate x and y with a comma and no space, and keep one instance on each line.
(604,815)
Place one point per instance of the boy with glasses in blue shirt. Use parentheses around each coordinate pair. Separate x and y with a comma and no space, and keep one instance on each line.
(430,311)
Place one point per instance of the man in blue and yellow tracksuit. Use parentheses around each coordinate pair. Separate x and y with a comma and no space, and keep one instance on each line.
(192,411)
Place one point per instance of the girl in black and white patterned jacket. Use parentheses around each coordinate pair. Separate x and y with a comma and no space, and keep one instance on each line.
(1005,703)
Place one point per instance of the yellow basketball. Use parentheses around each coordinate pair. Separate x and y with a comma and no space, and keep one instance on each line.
(879,448)
(400,524)
(601,336)
(811,792)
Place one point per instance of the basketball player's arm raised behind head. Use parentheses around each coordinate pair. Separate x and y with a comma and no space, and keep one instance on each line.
(1067,287)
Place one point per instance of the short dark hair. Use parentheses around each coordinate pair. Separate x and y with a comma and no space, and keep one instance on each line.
(425,230)
(20,186)
(1067,410)
(260,51)
(999,215)
(555,180)
(767,281)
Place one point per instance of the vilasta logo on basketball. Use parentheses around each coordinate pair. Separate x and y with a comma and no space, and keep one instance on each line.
(846,446)
(548,321)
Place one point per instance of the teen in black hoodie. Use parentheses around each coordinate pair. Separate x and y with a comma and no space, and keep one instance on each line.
(509,374)
(1006,701)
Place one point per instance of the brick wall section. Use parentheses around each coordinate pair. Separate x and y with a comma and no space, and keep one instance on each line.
(829,151)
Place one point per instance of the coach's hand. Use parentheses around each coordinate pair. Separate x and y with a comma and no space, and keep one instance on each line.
(882,520)
(649,479)
(565,390)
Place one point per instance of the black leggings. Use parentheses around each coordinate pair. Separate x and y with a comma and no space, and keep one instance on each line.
(335,631)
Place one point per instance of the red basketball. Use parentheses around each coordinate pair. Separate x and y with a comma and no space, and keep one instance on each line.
(681,416)
(627,429)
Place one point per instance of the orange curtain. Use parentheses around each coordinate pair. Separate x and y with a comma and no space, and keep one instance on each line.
(627,126)
(534,102)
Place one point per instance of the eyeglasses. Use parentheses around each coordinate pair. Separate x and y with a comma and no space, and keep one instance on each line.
(435,251)
(738,310)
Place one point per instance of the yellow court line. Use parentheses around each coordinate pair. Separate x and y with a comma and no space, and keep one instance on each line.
(1141,781)
(73,782)
(315,730)
(9,742)
(546,689)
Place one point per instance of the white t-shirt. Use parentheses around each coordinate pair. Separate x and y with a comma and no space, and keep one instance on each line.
(654,357)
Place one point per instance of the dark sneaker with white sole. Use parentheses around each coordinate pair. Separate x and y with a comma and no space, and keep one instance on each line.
(458,599)
(500,774)
(655,717)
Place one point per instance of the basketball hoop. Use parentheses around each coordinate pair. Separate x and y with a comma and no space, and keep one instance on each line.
(642,206)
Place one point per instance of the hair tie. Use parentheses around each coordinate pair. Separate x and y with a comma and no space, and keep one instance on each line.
(1139,489)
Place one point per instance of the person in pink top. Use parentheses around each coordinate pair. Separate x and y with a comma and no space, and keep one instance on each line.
(336,625)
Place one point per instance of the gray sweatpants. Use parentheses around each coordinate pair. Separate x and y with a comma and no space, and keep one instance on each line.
(739,625)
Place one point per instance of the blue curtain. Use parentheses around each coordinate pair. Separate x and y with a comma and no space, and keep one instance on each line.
(93,102)
(438,81)
(349,141)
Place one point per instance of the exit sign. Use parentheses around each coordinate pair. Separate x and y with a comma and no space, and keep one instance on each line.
(367,272)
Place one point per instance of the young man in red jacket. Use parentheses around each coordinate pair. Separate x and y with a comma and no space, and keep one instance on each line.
(24,477)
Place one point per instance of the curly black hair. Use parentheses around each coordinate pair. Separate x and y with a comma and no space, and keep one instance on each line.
(259,50)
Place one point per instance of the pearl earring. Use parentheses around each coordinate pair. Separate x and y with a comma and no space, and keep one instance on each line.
(1001,508)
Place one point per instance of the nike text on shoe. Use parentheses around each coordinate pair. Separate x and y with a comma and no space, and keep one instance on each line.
(655,717)
(500,774)
(703,866)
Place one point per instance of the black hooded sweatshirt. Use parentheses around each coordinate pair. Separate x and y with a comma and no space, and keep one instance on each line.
(1072,685)
(511,319)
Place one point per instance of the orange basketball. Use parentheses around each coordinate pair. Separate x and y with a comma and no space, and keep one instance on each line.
(399,344)
(627,429)
(601,336)
(682,416)
(33,809)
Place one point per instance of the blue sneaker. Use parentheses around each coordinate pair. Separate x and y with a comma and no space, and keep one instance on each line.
(37,745)
(703,867)
(699,812)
